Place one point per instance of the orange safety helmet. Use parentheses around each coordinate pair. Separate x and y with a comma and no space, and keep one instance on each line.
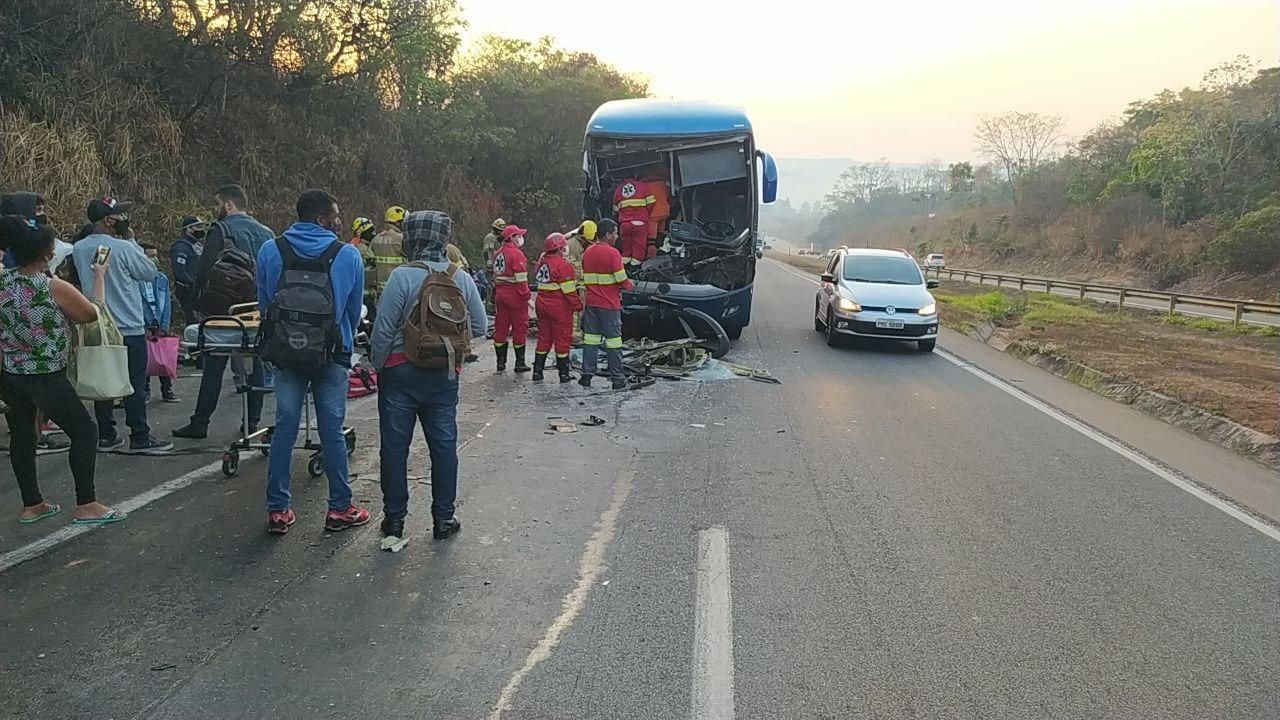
(555,242)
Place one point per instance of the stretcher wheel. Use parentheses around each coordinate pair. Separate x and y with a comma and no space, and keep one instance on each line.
(351,444)
(315,466)
(230,464)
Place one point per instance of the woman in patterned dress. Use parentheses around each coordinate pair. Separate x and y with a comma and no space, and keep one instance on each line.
(35,337)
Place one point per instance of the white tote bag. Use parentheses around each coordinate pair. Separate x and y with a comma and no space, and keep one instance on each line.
(100,365)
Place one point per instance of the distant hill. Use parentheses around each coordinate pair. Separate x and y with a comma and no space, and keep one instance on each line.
(802,180)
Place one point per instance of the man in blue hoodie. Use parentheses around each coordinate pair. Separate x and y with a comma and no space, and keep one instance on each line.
(314,233)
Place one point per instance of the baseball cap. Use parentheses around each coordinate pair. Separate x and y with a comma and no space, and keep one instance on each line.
(106,205)
(188,221)
(511,231)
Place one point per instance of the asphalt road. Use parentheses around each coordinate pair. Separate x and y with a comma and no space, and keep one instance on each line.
(884,535)
(1184,307)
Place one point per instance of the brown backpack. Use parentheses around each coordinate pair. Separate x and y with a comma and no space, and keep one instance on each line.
(437,334)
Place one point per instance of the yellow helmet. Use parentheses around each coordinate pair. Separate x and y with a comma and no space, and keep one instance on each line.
(587,230)
(361,225)
(499,224)
(395,214)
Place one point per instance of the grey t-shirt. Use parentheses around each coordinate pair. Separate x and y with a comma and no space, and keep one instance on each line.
(398,298)
(127,267)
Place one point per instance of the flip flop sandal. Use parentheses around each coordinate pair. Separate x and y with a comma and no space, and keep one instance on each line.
(53,510)
(112,516)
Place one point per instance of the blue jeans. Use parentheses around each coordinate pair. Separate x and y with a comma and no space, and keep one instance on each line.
(135,406)
(328,387)
(408,395)
(215,367)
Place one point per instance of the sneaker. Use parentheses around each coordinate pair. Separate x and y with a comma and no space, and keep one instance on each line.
(190,432)
(49,427)
(393,537)
(171,398)
(111,445)
(150,446)
(353,516)
(278,522)
(446,528)
(619,384)
(47,445)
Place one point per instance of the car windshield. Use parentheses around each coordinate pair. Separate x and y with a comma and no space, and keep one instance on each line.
(881,269)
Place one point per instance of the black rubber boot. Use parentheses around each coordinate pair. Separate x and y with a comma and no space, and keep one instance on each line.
(539,364)
(562,364)
(500,351)
(520,367)
(585,380)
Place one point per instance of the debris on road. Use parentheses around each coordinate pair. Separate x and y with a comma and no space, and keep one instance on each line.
(700,426)
(592,421)
(562,425)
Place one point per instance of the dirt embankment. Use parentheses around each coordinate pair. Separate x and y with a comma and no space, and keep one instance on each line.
(1204,368)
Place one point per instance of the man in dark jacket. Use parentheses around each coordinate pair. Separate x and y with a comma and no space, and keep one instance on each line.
(233,227)
(184,257)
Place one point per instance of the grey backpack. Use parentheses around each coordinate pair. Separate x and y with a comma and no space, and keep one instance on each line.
(300,331)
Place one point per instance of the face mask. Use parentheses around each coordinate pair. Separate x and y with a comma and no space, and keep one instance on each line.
(122,228)
(519,241)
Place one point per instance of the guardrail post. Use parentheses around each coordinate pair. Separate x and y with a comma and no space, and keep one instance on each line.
(1122,295)
(1022,283)
(1083,289)
(1173,304)
(1239,314)
(1048,286)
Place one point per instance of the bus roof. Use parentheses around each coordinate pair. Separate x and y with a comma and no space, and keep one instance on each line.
(664,118)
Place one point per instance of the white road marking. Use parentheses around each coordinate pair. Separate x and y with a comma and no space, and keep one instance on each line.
(713,630)
(1134,456)
(1138,458)
(588,570)
(36,548)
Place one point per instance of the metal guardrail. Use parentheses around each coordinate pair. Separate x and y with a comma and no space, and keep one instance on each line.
(1118,294)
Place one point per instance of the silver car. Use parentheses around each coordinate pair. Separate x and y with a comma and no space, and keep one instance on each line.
(876,294)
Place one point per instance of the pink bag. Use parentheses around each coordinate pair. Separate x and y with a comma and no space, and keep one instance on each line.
(162,356)
(361,381)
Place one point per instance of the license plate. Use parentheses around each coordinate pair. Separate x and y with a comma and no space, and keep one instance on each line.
(889,324)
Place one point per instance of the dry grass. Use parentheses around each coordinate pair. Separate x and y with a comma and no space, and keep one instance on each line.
(1214,366)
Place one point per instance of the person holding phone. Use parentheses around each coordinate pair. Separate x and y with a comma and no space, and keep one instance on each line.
(128,267)
(36,310)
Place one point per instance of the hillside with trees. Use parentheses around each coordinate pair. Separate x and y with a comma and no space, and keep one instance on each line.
(162,101)
(1183,189)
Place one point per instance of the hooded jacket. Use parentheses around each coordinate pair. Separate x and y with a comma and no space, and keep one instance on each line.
(347,273)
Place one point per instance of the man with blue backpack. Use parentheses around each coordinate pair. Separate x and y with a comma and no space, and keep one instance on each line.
(310,291)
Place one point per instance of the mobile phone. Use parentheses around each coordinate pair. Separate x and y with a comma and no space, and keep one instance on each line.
(104,252)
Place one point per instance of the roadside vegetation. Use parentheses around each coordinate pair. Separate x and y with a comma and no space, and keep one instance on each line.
(161,101)
(1229,371)
(1180,192)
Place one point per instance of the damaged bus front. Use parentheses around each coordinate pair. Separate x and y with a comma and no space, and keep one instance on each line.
(691,175)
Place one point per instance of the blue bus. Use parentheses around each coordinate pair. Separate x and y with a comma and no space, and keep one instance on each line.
(704,160)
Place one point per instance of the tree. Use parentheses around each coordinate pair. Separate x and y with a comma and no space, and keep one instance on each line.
(960,178)
(1020,142)
(859,184)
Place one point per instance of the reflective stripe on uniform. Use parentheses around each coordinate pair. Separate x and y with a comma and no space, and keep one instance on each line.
(635,202)
(613,343)
(592,339)
(616,278)
(547,287)
(519,278)
(388,260)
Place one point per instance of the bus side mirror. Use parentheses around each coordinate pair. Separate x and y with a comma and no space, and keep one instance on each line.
(828,278)
(769,177)
(931,284)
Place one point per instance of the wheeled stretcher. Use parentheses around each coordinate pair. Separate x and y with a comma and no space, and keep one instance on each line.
(236,333)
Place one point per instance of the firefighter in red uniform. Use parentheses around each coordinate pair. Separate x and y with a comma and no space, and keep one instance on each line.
(511,298)
(557,302)
(605,279)
(632,201)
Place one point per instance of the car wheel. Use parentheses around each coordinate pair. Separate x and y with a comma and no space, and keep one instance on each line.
(818,325)
(926,345)
(833,338)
